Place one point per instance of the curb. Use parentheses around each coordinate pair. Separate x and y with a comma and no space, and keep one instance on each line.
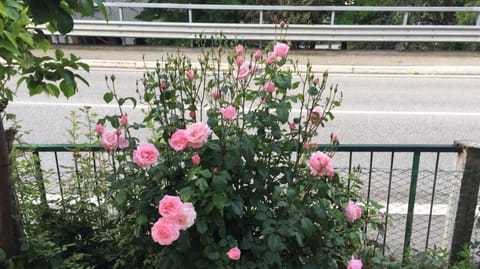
(333,69)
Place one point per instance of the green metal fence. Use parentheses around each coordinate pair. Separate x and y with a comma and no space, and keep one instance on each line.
(413,182)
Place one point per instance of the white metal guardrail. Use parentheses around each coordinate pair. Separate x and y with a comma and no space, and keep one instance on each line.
(119,27)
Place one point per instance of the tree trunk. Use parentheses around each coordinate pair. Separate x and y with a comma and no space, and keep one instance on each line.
(9,237)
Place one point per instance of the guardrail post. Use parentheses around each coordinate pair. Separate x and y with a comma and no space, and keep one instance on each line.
(190,20)
(411,202)
(120,18)
(332,22)
(469,162)
(261,22)
(478,19)
(405,18)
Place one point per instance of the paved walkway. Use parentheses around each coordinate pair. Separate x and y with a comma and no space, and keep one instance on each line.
(366,62)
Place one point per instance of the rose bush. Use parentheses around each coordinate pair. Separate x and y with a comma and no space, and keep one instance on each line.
(232,168)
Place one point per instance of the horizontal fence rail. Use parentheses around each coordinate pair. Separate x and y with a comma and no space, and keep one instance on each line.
(416,198)
(120,27)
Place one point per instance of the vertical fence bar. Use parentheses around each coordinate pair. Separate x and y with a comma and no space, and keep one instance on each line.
(59,177)
(39,179)
(350,169)
(78,177)
(369,184)
(411,203)
(432,200)
(388,202)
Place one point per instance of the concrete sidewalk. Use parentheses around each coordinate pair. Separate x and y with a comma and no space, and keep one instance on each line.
(346,62)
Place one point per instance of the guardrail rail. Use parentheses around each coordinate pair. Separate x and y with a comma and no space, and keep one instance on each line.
(121,27)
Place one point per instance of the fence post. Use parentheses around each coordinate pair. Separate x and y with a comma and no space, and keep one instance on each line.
(469,162)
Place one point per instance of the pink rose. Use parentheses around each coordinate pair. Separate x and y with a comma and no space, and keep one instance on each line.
(163,84)
(228,113)
(170,206)
(122,142)
(355,264)
(269,86)
(241,71)
(239,49)
(196,159)
(353,212)
(320,164)
(124,120)
(197,134)
(307,146)
(257,55)
(99,129)
(293,126)
(165,231)
(216,93)
(190,75)
(186,217)
(179,140)
(316,116)
(282,23)
(110,140)
(335,139)
(316,81)
(264,101)
(239,60)
(145,155)
(270,58)
(234,254)
(280,50)
(191,113)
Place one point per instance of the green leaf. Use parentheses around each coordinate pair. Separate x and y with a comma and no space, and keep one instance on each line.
(202,184)
(205,173)
(201,225)
(3,255)
(275,243)
(43,10)
(307,226)
(121,101)
(313,91)
(53,89)
(35,90)
(103,10)
(65,22)
(108,97)
(219,181)
(121,197)
(186,193)
(282,112)
(67,89)
(219,201)
(214,146)
(59,54)
(237,206)
(86,7)
(142,219)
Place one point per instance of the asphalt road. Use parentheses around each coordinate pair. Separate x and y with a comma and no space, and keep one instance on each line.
(376,109)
